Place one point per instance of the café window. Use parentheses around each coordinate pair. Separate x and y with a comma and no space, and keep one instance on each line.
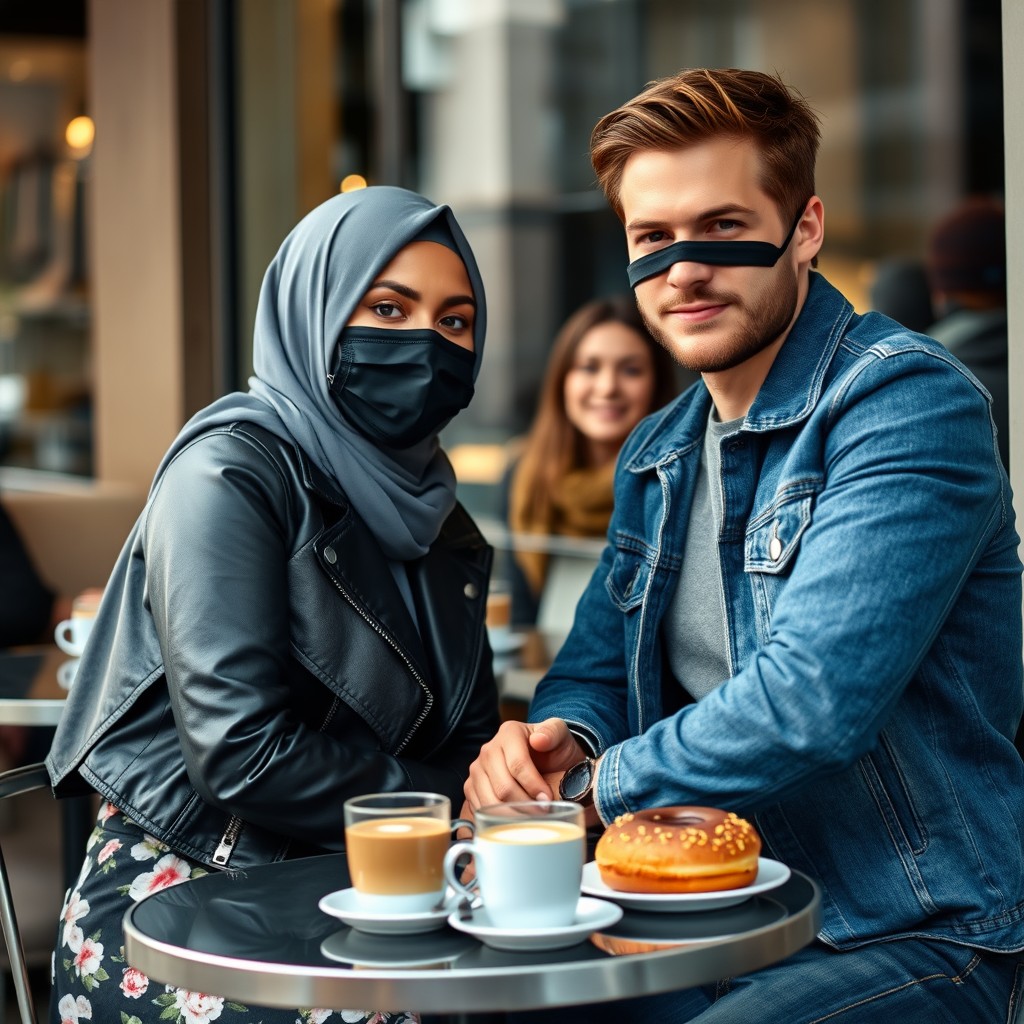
(45,143)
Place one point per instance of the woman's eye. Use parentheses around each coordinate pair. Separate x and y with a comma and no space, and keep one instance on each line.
(456,322)
(386,310)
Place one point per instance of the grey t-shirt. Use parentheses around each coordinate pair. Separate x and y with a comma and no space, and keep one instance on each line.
(695,628)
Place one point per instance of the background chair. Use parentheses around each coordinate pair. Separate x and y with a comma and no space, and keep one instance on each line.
(29,844)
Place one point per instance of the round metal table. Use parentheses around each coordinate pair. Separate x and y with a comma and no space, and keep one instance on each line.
(259,937)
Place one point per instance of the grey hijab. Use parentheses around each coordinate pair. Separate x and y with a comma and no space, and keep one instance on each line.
(310,290)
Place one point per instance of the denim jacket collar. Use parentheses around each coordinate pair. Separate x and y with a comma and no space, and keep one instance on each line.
(780,402)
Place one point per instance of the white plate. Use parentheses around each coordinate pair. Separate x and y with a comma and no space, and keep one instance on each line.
(590,916)
(770,875)
(344,904)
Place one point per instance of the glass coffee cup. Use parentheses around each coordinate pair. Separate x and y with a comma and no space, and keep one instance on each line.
(396,845)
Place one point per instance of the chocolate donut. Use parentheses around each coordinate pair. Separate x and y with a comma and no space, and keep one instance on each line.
(678,849)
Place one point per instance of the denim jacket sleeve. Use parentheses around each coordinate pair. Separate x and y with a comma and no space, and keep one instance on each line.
(907,512)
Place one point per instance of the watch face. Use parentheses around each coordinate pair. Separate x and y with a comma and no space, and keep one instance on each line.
(576,781)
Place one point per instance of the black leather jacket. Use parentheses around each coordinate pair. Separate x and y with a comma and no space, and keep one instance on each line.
(254,664)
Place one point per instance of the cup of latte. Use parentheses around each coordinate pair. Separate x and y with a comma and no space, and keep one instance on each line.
(396,843)
(71,634)
(529,862)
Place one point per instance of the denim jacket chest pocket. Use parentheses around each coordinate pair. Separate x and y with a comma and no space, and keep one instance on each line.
(628,578)
(771,546)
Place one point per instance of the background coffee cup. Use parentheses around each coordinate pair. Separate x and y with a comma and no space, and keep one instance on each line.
(529,862)
(396,844)
(72,634)
(66,673)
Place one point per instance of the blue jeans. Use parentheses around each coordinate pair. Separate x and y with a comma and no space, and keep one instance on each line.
(906,981)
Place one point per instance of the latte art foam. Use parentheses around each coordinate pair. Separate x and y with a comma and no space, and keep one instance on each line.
(533,833)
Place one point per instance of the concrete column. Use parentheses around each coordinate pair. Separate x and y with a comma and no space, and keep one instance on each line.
(135,236)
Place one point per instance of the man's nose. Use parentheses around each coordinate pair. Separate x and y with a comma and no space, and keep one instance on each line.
(685,274)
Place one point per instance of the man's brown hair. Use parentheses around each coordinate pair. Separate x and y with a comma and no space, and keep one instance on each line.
(700,104)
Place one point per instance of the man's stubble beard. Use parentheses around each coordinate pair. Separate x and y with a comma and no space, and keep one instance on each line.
(767,316)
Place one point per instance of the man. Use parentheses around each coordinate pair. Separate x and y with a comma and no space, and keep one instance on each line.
(965,265)
(809,608)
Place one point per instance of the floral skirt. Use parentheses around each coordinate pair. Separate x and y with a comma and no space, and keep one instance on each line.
(91,979)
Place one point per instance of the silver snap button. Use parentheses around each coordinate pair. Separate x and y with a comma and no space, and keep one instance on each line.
(471,590)
(330,554)
(775,549)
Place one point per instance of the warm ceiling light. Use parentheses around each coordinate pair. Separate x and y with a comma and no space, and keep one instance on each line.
(79,134)
(352,183)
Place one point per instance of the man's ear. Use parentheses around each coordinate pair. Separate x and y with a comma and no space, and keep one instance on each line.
(810,232)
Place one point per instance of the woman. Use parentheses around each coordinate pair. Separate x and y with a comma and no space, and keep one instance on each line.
(298,615)
(604,374)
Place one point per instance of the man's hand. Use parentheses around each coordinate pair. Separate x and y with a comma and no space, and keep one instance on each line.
(522,762)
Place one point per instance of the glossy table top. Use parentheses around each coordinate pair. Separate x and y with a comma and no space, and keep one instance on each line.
(33,684)
(259,937)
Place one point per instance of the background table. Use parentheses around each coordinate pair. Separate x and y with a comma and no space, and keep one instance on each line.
(31,695)
(29,691)
(259,937)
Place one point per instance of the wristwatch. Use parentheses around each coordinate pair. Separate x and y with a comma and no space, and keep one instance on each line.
(578,782)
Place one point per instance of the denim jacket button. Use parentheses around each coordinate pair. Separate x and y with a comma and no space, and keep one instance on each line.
(471,590)
(775,549)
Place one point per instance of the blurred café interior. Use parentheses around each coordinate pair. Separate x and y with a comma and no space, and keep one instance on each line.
(153,155)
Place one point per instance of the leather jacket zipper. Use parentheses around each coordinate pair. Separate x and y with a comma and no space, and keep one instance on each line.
(226,846)
(408,664)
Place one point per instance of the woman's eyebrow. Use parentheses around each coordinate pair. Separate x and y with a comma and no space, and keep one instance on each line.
(411,293)
(396,286)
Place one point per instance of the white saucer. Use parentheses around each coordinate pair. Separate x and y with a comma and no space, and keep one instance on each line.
(395,951)
(590,916)
(505,641)
(770,875)
(344,904)
(66,673)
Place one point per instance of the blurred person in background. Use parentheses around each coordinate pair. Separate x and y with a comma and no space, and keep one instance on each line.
(298,615)
(29,609)
(899,289)
(966,268)
(604,374)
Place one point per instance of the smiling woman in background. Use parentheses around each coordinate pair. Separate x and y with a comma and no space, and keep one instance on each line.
(298,615)
(604,374)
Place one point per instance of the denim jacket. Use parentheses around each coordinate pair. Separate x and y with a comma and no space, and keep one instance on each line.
(873,599)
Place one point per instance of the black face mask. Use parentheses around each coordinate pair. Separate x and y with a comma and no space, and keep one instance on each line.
(720,254)
(399,387)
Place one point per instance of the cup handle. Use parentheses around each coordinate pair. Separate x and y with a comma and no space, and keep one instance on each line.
(455,851)
(458,823)
(61,637)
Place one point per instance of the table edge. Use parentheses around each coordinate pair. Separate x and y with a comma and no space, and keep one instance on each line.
(492,989)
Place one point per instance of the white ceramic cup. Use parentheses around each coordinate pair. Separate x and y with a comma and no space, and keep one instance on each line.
(71,634)
(529,863)
(396,844)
